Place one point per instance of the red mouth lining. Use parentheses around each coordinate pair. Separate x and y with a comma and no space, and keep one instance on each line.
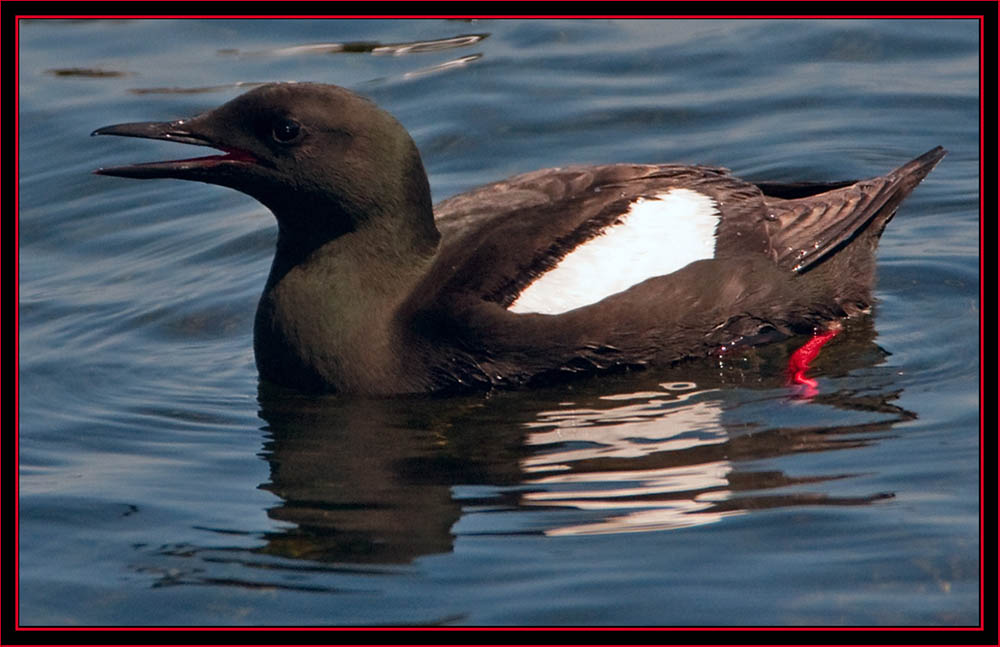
(232,155)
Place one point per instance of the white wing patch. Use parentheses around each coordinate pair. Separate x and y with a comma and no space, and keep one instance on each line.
(655,236)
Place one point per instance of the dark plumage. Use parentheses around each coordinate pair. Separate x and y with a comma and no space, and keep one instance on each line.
(374,291)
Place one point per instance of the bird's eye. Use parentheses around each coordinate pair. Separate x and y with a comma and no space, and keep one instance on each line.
(286,130)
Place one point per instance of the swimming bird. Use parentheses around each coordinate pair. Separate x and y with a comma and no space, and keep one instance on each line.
(374,290)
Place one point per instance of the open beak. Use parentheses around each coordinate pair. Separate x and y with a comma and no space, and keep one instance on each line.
(174,131)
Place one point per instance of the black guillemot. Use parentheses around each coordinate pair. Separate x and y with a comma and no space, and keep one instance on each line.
(373,290)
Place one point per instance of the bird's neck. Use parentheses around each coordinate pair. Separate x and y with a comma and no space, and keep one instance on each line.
(329,309)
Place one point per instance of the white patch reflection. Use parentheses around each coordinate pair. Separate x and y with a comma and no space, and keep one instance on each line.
(582,441)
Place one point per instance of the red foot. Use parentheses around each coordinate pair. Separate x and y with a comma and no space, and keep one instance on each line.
(798,363)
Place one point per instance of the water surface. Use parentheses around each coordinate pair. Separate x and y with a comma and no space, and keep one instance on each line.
(160,484)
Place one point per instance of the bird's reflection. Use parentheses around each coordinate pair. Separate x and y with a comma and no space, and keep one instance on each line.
(387,481)
(363,481)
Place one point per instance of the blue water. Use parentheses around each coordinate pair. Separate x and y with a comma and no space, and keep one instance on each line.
(160,484)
